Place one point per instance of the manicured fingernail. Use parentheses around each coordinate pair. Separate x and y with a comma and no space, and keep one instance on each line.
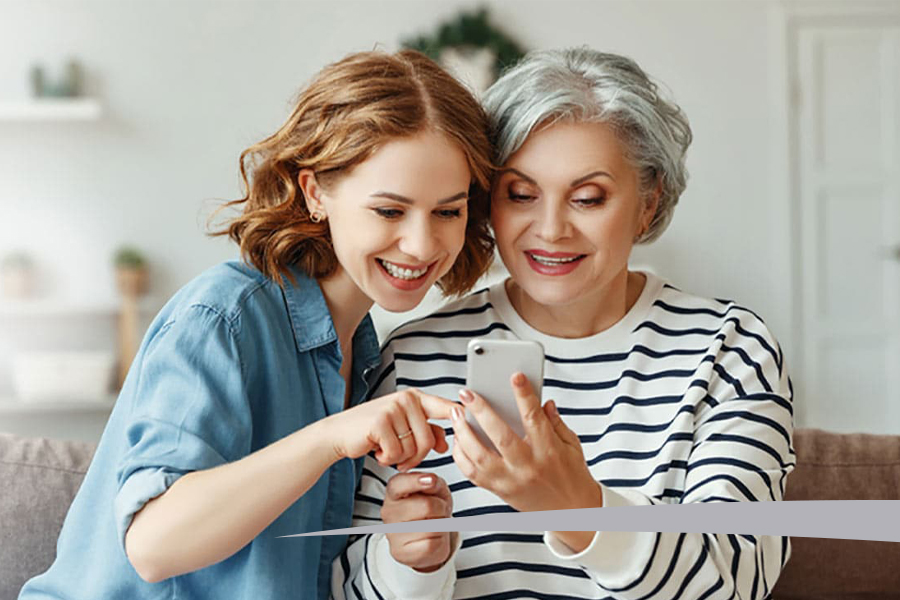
(427,480)
(519,379)
(466,396)
(455,413)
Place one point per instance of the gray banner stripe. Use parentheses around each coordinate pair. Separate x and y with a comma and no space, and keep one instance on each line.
(877,520)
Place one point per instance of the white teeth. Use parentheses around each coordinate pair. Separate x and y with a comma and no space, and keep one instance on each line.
(400,272)
(546,260)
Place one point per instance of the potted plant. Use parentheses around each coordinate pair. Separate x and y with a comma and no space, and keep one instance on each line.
(470,47)
(132,275)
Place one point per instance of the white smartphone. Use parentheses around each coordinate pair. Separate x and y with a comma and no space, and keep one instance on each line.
(489,366)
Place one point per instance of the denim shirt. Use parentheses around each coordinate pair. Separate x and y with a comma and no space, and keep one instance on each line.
(231,364)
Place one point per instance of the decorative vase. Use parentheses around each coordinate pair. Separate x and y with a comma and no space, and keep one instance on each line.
(132,281)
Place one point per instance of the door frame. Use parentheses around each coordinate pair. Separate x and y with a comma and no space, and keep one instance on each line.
(786,18)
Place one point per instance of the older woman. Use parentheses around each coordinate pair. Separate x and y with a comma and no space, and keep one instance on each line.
(658,396)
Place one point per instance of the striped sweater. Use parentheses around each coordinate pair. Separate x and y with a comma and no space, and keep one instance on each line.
(685,399)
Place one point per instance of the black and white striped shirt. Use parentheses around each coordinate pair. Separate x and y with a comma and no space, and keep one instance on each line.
(685,399)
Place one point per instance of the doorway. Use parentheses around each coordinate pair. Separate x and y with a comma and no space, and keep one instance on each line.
(845,74)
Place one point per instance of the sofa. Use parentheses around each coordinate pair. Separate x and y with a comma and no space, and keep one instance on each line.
(833,466)
(39,478)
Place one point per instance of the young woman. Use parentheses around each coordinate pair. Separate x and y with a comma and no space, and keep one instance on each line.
(239,421)
(658,396)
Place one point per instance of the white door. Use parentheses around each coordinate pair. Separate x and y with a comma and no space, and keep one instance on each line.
(847,216)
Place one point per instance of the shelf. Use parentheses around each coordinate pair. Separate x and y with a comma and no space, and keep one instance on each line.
(13,407)
(51,109)
(60,308)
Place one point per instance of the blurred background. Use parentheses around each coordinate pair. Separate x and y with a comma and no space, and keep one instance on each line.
(121,124)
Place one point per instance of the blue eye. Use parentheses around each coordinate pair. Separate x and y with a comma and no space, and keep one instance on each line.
(449,213)
(388,213)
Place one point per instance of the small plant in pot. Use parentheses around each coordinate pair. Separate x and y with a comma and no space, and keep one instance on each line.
(132,279)
(132,274)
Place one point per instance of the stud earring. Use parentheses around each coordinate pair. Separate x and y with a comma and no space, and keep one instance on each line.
(317,217)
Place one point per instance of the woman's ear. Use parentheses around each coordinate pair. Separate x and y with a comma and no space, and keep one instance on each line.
(649,211)
(312,193)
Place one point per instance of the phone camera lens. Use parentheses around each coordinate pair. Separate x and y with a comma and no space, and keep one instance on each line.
(479,350)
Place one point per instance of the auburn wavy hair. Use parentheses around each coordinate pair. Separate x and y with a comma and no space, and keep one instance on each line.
(348,110)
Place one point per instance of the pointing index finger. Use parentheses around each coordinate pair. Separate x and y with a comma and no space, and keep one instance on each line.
(435,407)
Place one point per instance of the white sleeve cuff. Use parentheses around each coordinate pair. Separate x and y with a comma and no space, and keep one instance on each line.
(405,583)
(614,559)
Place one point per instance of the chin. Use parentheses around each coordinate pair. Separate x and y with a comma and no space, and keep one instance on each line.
(396,307)
(394,303)
(550,294)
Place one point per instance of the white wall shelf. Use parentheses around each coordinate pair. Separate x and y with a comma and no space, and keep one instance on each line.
(64,420)
(51,109)
(61,308)
(14,407)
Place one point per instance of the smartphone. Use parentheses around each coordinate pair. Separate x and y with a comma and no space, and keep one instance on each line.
(489,366)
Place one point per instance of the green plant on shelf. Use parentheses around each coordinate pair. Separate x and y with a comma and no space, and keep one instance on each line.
(469,30)
(132,274)
(129,257)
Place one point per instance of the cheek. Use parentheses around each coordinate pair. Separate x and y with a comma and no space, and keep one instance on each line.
(616,234)
(455,237)
(354,238)
(460,235)
(505,224)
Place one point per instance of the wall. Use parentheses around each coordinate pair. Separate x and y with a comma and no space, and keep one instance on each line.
(187,85)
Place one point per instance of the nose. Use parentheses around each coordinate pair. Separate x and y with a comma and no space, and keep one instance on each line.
(419,240)
(554,223)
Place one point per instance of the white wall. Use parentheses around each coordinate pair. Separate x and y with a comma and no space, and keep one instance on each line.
(187,85)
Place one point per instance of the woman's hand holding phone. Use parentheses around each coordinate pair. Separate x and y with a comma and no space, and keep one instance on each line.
(413,497)
(545,470)
(395,426)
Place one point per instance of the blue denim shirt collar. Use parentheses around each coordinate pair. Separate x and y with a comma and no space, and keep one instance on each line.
(368,353)
(314,328)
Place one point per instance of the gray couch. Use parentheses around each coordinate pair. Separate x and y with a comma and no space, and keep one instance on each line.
(39,478)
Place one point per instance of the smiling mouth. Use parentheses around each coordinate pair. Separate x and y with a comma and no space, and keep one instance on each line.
(554,261)
(401,272)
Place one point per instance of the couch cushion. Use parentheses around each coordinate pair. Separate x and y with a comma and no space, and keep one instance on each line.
(833,466)
(39,478)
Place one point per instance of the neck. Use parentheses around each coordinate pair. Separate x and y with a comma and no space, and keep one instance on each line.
(347,304)
(586,316)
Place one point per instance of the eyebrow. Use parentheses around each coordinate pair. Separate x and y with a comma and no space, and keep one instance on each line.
(405,200)
(517,172)
(581,180)
(574,183)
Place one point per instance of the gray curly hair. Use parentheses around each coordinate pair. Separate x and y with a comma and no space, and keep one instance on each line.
(583,85)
